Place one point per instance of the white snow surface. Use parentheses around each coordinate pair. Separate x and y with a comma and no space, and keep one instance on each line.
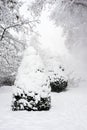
(68,112)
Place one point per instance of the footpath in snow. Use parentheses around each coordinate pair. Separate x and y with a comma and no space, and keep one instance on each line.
(68,112)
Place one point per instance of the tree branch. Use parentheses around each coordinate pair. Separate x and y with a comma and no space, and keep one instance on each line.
(5,59)
(2,35)
(81,2)
(17,24)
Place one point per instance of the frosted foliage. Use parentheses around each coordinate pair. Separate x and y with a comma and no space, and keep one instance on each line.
(69,14)
(54,65)
(8,12)
(31,75)
(72,16)
(37,6)
(32,87)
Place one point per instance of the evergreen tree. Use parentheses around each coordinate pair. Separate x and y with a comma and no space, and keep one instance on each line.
(32,88)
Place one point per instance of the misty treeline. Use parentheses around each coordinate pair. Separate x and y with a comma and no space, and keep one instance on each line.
(70,14)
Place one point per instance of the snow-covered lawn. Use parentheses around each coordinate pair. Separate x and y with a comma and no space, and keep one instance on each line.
(68,112)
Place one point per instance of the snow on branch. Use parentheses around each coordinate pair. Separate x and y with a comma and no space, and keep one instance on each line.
(81,2)
(78,2)
(29,23)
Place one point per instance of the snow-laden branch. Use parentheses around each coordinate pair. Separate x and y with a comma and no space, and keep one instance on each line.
(81,2)
(29,23)
(78,2)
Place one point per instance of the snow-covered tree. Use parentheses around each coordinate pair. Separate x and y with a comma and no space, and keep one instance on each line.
(32,87)
(11,24)
(9,19)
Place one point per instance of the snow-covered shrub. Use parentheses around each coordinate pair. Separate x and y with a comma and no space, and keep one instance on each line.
(58,80)
(32,87)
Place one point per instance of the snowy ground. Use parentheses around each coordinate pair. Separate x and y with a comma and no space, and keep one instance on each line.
(68,112)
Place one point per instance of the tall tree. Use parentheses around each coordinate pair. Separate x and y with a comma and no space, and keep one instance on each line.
(11,23)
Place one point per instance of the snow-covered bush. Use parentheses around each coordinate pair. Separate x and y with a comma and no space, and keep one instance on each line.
(58,80)
(32,87)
